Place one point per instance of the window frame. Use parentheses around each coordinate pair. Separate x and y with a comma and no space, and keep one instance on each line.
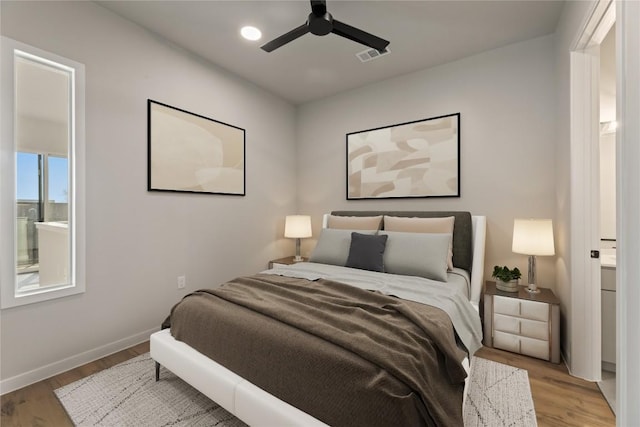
(9,293)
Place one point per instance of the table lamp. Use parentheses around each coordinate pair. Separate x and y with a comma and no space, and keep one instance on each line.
(297,227)
(533,237)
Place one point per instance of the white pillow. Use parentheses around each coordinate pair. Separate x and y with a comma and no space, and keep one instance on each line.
(417,254)
(355,222)
(333,246)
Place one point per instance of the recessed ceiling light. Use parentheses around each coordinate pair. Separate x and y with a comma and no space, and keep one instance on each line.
(251,33)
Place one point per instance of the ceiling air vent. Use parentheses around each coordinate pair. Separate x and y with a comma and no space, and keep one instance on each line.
(371,54)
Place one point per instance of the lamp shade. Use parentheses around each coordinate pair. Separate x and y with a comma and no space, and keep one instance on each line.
(297,226)
(533,237)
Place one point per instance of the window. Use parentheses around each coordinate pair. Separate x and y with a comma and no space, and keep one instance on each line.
(42,189)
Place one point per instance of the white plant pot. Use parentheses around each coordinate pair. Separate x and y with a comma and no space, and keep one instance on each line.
(511,286)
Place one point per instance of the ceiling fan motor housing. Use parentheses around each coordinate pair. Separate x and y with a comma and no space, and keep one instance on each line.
(320,25)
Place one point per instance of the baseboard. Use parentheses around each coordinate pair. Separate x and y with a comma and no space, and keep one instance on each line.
(22,380)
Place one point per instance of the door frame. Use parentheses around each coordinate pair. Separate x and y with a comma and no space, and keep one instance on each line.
(586,323)
(628,211)
(586,358)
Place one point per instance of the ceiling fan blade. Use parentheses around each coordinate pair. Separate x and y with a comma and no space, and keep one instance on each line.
(285,38)
(359,36)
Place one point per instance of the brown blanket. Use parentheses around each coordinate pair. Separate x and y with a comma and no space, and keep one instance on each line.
(345,356)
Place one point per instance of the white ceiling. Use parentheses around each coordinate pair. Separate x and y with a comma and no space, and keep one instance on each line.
(422,34)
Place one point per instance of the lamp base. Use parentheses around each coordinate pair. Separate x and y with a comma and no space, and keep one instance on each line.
(532,288)
(297,258)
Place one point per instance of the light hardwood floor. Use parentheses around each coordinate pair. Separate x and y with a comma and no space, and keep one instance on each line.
(37,405)
(559,399)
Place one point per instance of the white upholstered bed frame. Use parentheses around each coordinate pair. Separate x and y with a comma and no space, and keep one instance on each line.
(249,403)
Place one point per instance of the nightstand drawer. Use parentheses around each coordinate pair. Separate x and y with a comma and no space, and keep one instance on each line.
(523,345)
(524,327)
(534,348)
(504,305)
(505,341)
(534,310)
(520,308)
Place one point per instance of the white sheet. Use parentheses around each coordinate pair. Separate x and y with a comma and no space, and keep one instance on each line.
(451,297)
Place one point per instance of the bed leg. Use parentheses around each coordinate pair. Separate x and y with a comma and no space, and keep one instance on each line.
(157,371)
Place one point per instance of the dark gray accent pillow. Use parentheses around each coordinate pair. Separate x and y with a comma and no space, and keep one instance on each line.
(333,246)
(366,252)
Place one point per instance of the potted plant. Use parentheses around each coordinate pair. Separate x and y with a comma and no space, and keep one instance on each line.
(506,280)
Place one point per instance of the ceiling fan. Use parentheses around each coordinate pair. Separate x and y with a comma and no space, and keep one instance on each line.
(321,23)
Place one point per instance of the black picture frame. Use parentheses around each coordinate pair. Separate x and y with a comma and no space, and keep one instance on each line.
(191,153)
(416,159)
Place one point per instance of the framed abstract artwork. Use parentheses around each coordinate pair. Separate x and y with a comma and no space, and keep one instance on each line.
(191,153)
(413,159)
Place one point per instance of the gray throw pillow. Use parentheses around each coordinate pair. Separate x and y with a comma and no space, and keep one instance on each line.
(417,254)
(366,252)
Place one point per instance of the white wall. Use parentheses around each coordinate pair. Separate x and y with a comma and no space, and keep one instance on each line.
(608,141)
(506,98)
(608,187)
(138,242)
(608,76)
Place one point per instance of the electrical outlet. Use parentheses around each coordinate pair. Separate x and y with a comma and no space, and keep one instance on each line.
(182,282)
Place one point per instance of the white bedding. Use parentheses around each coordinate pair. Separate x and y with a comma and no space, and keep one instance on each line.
(451,296)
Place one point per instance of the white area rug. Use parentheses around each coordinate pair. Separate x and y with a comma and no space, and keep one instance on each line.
(128,395)
(498,395)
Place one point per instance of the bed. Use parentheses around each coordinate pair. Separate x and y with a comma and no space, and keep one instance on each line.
(318,374)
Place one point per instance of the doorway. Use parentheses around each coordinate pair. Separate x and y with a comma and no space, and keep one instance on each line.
(608,237)
(585,296)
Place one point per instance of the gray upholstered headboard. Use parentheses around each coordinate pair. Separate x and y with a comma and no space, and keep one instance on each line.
(462,230)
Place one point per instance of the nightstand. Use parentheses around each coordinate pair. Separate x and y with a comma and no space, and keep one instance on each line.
(522,322)
(285,261)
